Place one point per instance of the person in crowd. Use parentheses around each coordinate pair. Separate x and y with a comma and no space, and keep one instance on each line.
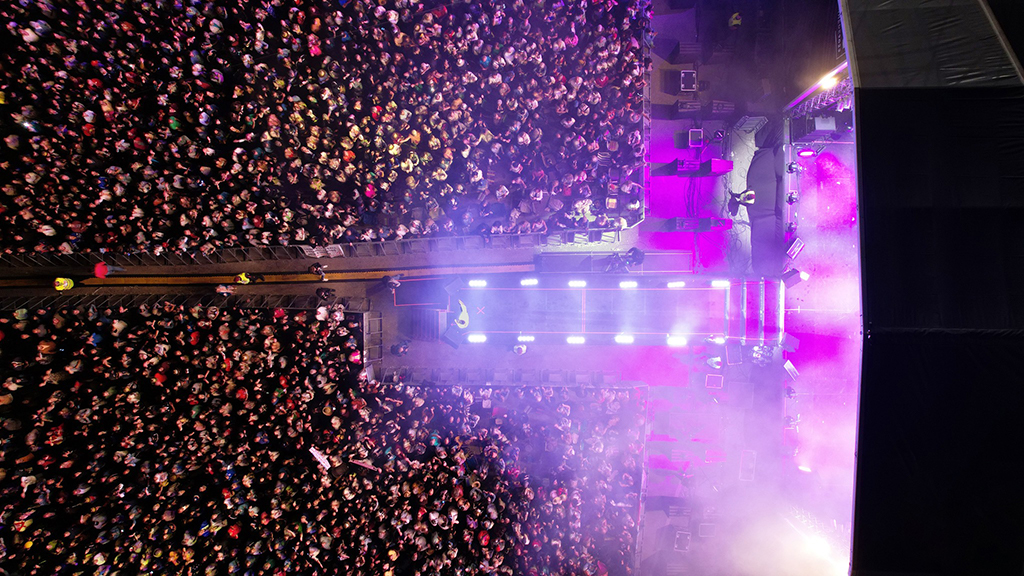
(392,283)
(401,348)
(318,269)
(172,438)
(102,269)
(248,278)
(165,127)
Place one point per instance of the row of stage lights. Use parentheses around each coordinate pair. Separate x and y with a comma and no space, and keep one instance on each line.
(671,340)
(625,284)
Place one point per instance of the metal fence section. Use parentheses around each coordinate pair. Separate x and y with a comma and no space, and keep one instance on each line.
(648,45)
(460,243)
(373,341)
(506,377)
(289,302)
(353,250)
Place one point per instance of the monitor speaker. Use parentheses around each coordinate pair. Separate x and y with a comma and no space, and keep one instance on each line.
(452,336)
(790,343)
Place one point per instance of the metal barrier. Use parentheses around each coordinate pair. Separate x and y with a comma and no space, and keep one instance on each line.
(353,250)
(507,377)
(289,302)
(457,243)
(648,44)
(373,341)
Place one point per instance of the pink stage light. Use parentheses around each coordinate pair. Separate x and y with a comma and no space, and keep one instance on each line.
(807,153)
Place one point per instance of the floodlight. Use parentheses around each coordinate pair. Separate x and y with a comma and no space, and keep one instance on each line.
(575,340)
(526,338)
(720,283)
(529,282)
(627,284)
(577,283)
(624,338)
(676,341)
(477,283)
(676,284)
(476,338)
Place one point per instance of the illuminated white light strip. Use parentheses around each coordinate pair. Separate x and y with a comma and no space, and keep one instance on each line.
(720,283)
(624,338)
(525,338)
(477,283)
(628,284)
(577,283)
(477,338)
(676,341)
(575,339)
(529,282)
(679,284)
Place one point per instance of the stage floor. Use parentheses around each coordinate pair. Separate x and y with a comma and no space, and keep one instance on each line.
(554,311)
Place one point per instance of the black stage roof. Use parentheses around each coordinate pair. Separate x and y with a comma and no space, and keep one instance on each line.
(940,130)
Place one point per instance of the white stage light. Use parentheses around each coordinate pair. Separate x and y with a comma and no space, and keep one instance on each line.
(524,338)
(720,283)
(477,283)
(676,341)
(577,283)
(628,284)
(575,339)
(476,338)
(719,340)
(804,468)
(624,338)
(677,284)
(805,276)
(529,282)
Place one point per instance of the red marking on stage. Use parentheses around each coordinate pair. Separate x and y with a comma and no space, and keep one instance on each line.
(593,333)
(639,289)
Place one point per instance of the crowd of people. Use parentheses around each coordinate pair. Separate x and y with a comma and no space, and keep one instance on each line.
(190,125)
(198,440)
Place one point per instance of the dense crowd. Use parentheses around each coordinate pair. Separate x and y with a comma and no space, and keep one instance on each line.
(184,125)
(178,440)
